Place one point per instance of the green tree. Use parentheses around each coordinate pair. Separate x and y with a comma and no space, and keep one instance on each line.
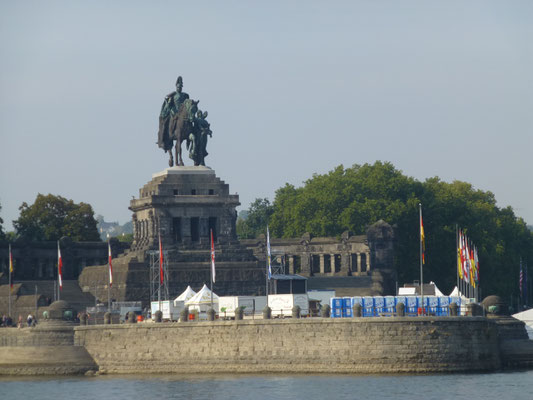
(51,217)
(256,220)
(353,198)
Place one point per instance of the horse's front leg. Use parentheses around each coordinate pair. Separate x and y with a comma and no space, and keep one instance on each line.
(179,157)
(171,159)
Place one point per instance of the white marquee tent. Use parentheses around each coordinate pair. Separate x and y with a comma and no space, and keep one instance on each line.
(201,301)
(184,297)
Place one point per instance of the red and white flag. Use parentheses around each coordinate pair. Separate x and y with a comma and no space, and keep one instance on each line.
(161,278)
(110,264)
(59,267)
(212,257)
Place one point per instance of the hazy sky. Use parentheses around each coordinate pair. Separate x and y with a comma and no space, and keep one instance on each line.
(292,88)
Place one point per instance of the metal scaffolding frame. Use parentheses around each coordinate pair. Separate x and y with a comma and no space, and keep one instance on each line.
(158,292)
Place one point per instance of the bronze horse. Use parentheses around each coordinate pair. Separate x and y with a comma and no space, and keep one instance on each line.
(177,128)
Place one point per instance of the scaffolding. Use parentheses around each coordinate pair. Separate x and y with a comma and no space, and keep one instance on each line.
(158,290)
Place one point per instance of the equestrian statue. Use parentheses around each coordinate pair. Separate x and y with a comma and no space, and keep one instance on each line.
(181,120)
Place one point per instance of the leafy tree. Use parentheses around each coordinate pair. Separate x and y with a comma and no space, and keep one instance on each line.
(353,198)
(51,217)
(256,219)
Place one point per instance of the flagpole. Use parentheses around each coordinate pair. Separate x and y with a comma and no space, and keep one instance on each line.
(421,269)
(109,278)
(456,253)
(58,272)
(10,289)
(212,261)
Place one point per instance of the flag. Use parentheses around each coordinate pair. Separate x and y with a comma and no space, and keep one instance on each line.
(269,264)
(212,257)
(161,277)
(472,266)
(476,262)
(465,259)
(110,264)
(10,268)
(422,238)
(59,266)
(460,255)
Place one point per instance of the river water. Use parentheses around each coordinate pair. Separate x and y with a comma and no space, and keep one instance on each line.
(501,386)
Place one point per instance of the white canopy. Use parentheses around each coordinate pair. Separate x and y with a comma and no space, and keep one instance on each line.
(202,297)
(186,295)
(438,293)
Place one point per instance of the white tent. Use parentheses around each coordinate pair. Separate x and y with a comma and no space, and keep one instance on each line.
(438,293)
(201,301)
(184,297)
(527,318)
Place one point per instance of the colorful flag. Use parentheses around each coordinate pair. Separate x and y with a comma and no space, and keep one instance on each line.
(476,261)
(59,267)
(10,268)
(161,277)
(212,257)
(460,255)
(465,260)
(269,264)
(472,266)
(422,238)
(110,264)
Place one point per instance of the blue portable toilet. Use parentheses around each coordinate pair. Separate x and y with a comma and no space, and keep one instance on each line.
(347,303)
(336,302)
(444,303)
(390,305)
(368,306)
(433,305)
(379,305)
(411,307)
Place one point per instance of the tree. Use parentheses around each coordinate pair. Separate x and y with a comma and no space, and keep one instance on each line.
(353,198)
(51,217)
(256,220)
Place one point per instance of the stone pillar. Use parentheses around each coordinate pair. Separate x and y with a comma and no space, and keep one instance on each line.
(359,263)
(332,263)
(291,264)
(322,264)
(368,261)
(306,264)
(345,264)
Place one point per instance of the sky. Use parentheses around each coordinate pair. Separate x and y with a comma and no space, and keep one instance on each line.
(437,88)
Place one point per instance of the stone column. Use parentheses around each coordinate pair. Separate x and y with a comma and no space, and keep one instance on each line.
(306,264)
(345,264)
(368,261)
(291,264)
(322,264)
(332,263)
(359,263)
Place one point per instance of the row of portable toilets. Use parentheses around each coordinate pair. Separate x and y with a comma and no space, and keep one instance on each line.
(342,307)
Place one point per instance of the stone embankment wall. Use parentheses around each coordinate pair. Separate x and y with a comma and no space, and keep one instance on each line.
(42,351)
(377,345)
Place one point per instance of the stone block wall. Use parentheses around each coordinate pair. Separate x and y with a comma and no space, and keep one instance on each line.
(42,351)
(380,345)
